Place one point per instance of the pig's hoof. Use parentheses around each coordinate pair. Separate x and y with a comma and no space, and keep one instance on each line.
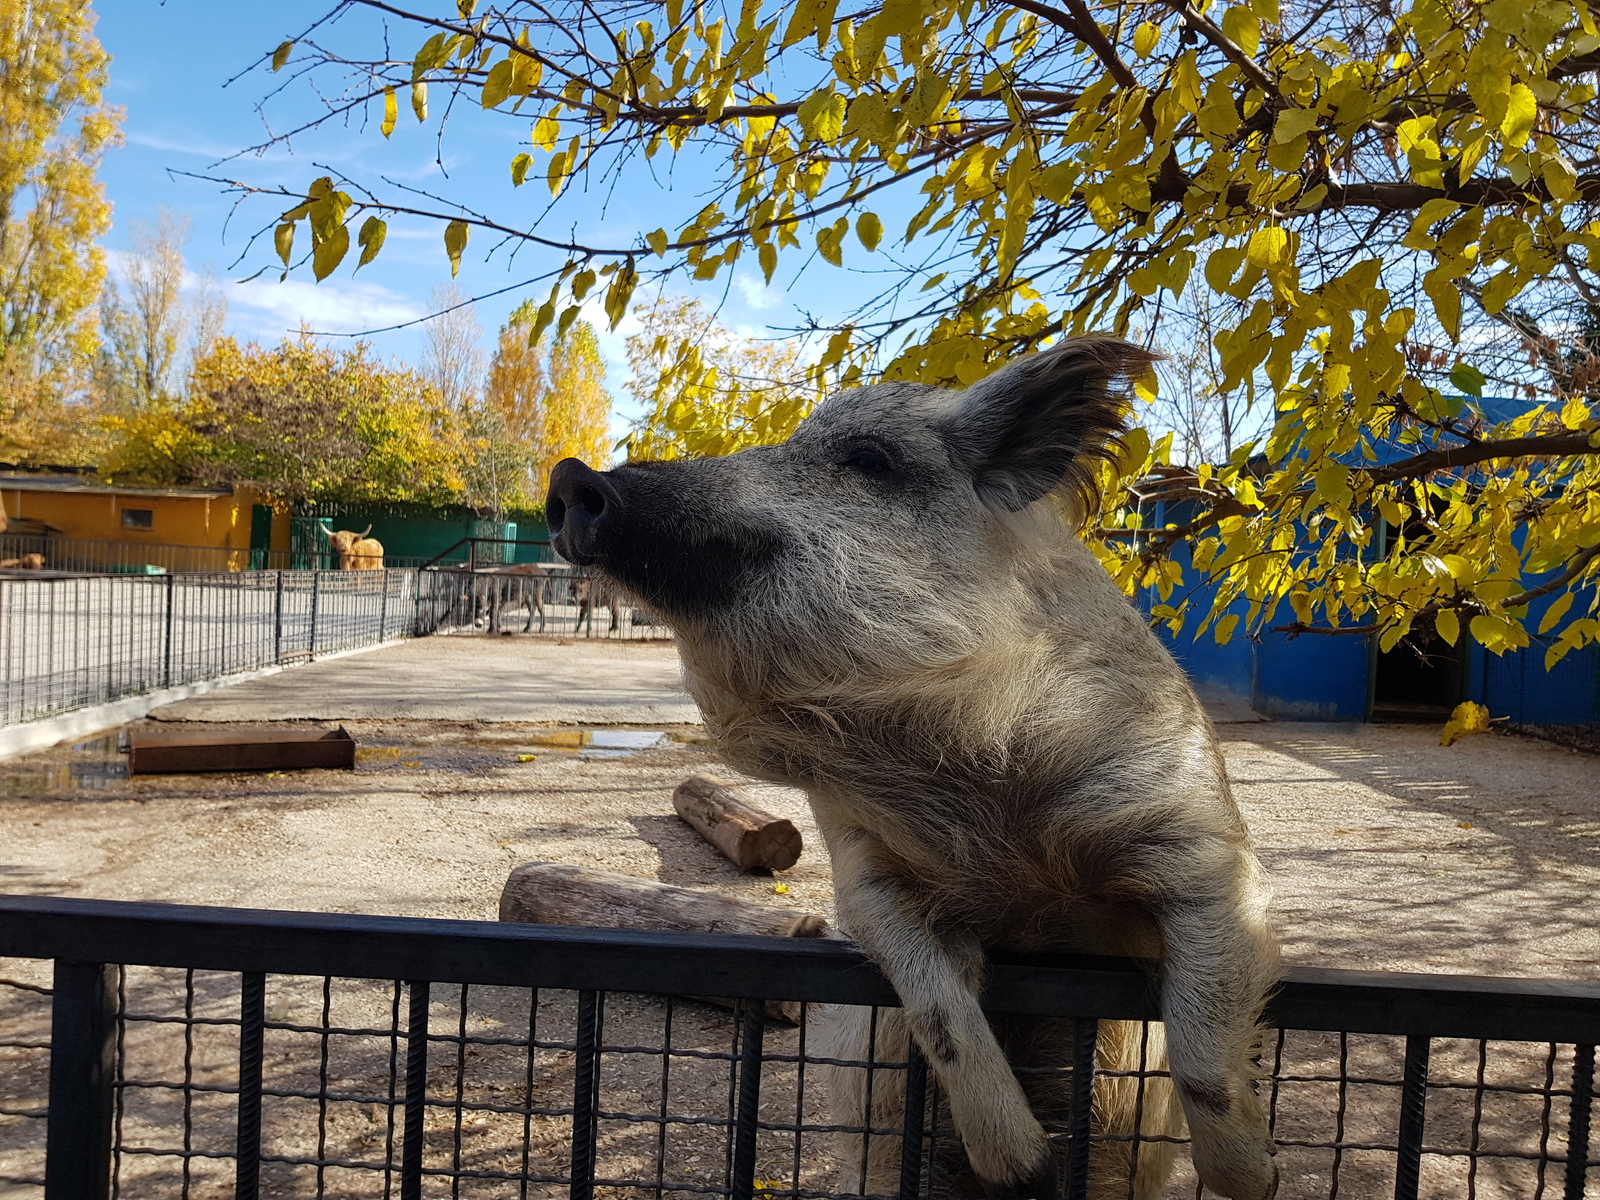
(1042,1184)
(1248,1174)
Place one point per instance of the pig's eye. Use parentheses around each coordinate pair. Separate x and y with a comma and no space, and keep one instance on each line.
(871,461)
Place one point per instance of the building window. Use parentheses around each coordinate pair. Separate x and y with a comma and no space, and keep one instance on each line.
(138,518)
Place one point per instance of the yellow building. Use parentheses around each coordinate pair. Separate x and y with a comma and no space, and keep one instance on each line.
(82,508)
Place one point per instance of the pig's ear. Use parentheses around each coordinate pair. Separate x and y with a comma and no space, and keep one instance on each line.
(1037,424)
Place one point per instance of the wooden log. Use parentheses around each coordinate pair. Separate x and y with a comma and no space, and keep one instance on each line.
(747,836)
(542,893)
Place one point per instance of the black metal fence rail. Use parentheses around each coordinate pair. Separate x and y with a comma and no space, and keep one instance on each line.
(505,1060)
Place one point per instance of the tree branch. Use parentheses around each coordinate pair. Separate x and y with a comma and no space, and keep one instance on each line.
(1231,50)
(1539,446)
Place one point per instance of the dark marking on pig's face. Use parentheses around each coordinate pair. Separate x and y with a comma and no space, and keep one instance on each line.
(881,493)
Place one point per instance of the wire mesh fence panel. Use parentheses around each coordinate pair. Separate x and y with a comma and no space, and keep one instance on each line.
(24,1074)
(257,1082)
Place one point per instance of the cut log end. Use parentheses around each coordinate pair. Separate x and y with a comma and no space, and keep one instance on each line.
(747,836)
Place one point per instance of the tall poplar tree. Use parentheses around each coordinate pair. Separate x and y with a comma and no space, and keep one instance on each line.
(54,127)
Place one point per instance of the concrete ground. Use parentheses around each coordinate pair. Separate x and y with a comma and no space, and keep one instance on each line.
(466,679)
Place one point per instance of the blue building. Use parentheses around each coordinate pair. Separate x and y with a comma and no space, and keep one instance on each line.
(1317,677)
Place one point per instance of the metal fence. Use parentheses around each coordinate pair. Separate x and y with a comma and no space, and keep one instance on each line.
(549,598)
(69,643)
(152,1050)
(93,556)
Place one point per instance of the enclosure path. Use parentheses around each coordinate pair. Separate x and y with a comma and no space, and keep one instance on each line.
(467,678)
(1361,829)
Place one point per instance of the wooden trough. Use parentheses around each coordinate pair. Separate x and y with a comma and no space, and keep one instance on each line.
(178,751)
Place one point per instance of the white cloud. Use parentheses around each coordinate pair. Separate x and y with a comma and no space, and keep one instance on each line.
(330,306)
(756,294)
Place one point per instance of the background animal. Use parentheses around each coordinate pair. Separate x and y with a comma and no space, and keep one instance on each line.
(28,562)
(507,589)
(356,551)
(891,611)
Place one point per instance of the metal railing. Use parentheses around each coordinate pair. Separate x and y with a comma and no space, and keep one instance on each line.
(175,1051)
(548,598)
(91,556)
(68,643)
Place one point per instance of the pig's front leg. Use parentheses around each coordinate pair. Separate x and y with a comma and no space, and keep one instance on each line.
(937,976)
(1219,962)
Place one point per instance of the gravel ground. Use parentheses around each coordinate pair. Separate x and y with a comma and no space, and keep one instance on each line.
(1387,851)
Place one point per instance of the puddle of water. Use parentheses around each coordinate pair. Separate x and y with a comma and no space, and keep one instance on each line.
(600,743)
(92,765)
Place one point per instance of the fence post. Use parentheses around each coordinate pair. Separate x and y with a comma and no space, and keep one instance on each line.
(383,607)
(82,1067)
(416,1091)
(277,622)
(247,1141)
(1577,1179)
(166,657)
(747,1116)
(316,587)
(585,1095)
(1413,1115)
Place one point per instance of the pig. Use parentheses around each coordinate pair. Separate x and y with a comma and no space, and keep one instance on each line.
(892,611)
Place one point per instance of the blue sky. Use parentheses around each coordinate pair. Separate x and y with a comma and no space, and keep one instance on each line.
(170,62)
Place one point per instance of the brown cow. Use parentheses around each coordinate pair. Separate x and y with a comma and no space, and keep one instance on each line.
(357,551)
(28,562)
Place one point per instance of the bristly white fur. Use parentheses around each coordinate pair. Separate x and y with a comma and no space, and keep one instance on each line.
(998,752)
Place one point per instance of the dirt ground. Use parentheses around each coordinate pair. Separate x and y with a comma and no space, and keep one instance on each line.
(1386,851)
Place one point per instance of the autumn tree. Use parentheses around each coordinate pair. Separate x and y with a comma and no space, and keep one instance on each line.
(151,327)
(706,389)
(54,126)
(1396,206)
(452,357)
(309,422)
(544,401)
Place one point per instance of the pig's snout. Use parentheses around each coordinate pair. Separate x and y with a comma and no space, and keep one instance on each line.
(582,504)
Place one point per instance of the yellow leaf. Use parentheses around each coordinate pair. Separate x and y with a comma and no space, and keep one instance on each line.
(781,889)
(280,56)
(370,239)
(283,240)
(498,84)
(1145,38)
(657,242)
(1223,629)
(546,132)
(1448,625)
(1292,122)
(455,241)
(419,100)
(519,169)
(1521,113)
(1557,610)
(1267,246)
(1241,27)
(1467,719)
(391,111)
(822,115)
(869,230)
